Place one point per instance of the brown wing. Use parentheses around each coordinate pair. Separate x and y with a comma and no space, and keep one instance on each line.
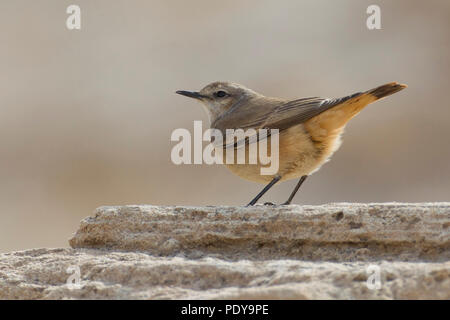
(274,114)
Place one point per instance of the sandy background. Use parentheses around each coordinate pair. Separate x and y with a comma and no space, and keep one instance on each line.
(86,116)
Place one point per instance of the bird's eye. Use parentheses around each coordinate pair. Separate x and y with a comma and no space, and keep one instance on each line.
(220,94)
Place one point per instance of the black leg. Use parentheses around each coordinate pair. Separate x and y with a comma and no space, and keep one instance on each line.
(302,179)
(271,183)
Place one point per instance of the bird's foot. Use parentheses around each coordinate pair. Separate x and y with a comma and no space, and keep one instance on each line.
(265,203)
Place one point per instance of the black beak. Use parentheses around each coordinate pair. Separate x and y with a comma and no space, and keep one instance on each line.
(190,94)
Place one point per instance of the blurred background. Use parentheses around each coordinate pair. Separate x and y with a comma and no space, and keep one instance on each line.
(86,116)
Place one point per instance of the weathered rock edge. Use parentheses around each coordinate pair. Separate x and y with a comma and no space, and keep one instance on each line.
(332,232)
(243,253)
(42,274)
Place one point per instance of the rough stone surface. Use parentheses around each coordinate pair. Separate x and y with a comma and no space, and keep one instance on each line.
(334,232)
(293,252)
(41,274)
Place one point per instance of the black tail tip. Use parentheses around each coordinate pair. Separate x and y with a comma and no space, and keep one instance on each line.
(387,89)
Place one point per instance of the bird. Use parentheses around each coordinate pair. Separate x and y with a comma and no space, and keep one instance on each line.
(310,129)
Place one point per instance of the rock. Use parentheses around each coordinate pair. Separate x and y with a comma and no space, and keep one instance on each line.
(334,232)
(292,252)
(42,274)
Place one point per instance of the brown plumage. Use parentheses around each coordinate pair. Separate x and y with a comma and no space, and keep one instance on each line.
(309,128)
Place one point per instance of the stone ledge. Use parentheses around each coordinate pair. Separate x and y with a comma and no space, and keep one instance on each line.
(41,274)
(333,232)
(291,252)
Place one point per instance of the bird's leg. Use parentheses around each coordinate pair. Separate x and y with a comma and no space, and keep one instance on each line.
(259,195)
(300,182)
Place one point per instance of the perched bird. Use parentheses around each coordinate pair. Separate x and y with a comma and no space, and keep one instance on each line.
(309,129)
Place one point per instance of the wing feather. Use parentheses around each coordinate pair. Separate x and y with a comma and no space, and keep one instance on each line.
(273,114)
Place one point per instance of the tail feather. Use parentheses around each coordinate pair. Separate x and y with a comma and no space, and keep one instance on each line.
(386,90)
(331,122)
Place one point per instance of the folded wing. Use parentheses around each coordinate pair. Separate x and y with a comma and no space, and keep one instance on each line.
(273,114)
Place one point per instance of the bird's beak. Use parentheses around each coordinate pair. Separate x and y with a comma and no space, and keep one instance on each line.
(190,94)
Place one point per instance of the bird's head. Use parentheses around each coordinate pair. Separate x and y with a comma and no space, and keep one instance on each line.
(218,97)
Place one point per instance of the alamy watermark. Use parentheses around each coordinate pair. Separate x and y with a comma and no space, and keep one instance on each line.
(237,147)
(374,277)
(374,20)
(74,280)
(73,21)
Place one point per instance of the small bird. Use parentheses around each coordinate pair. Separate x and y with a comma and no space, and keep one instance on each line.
(310,129)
